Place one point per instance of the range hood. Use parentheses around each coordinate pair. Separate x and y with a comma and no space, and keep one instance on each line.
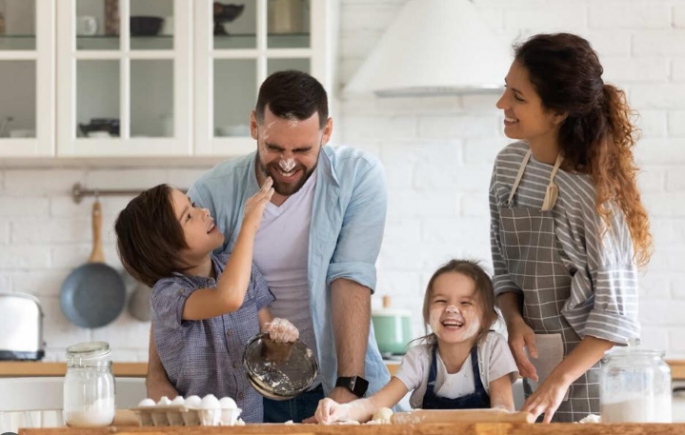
(434,47)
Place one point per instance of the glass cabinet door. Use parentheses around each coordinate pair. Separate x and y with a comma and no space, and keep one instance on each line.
(124,77)
(26,78)
(237,46)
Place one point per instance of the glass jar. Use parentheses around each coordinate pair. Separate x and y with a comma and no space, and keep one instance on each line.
(89,385)
(635,387)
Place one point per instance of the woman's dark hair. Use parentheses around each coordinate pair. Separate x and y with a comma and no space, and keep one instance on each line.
(484,294)
(149,236)
(597,135)
(292,94)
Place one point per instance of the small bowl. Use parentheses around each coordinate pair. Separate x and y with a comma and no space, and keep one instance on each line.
(146,26)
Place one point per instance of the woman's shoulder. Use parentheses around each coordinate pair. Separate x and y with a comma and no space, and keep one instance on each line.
(513,151)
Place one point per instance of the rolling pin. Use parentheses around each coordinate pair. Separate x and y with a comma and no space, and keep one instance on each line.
(460,415)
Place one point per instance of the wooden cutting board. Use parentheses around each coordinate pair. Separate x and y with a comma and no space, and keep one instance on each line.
(461,416)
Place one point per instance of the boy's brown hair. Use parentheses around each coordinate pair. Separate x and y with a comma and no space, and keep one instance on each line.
(149,236)
(484,293)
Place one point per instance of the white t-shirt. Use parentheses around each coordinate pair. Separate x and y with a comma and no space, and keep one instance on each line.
(281,253)
(494,361)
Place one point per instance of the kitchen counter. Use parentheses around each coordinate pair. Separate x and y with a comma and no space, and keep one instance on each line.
(14,369)
(420,429)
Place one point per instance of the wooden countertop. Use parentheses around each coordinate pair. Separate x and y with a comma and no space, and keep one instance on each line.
(14,369)
(394,429)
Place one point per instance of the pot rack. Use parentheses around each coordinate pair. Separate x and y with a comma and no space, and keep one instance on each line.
(78,192)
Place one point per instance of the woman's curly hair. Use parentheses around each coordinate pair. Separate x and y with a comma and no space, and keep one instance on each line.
(597,136)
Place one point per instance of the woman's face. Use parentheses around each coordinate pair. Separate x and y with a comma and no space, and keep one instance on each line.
(455,314)
(201,234)
(525,117)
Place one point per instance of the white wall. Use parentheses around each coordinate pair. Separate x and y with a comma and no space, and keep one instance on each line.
(438,154)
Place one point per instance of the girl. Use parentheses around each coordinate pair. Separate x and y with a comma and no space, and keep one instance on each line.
(460,364)
(568,226)
(205,306)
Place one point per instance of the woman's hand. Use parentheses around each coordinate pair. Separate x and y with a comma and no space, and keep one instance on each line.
(329,411)
(521,337)
(254,206)
(547,398)
(281,331)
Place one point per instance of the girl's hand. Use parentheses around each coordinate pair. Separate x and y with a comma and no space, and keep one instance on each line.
(329,411)
(254,206)
(281,331)
(546,398)
(521,336)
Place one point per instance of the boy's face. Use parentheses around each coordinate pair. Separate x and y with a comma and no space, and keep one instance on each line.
(201,235)
(288,149)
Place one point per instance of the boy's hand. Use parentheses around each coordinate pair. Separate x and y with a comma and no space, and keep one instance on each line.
(281,331)
(329,411)
(254,206)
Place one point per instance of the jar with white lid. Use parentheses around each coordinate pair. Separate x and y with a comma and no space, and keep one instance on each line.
(89,385)
(635,386)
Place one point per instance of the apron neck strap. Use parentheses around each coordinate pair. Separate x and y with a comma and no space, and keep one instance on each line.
(552,190)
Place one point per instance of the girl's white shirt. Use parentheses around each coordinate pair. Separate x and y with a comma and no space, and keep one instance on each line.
(494,361)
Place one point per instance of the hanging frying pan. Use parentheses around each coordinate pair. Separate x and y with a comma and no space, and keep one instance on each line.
(93,295)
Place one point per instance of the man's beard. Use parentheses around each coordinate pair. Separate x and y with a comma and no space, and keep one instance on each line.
(285,189)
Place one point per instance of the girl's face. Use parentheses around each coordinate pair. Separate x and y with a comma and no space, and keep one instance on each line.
(456,314)
(525,117)
(201,235)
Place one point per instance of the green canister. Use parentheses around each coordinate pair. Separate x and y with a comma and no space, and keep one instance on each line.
(392,328)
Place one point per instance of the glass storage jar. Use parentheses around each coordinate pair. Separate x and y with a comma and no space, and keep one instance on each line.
(635,387)
(89,385)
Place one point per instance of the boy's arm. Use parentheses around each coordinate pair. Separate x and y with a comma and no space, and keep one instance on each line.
(156,382)
(231,287)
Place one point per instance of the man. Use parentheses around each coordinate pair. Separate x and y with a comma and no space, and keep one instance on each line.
(317,243)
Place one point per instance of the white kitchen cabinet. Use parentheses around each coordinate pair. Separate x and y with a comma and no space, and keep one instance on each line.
(106,90)
(27,78)
(123,92)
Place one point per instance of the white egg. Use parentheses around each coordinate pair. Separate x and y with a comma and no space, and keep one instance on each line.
(193,402)
(146,403)
(227,403)
(164,401)
(210,402)
(178,400)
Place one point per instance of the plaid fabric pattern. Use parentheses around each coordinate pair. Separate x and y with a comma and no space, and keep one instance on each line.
(576,275)
(205,357)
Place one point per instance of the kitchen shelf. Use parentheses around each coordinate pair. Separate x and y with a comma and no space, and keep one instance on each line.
(249,41)
(166,42)
(17,42)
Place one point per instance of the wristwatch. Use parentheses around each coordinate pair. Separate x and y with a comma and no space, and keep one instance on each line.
(356,384)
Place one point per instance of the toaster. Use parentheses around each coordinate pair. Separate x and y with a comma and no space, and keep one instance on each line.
(21,323)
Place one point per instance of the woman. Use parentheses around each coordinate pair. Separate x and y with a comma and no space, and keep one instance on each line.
(568,226)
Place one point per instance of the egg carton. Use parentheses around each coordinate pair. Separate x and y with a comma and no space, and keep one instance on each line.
(180,415)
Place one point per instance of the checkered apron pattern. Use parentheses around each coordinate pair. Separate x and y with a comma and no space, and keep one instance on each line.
(531,252)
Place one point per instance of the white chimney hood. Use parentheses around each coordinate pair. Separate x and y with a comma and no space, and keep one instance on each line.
(434,47)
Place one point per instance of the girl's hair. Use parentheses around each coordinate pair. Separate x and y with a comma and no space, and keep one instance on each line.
(597,136)
(149,236)
(484,294)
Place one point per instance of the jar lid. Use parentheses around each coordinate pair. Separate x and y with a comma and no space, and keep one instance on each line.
(635,351)
(89,350)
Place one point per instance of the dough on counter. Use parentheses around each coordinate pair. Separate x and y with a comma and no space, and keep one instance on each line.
(382,416)
(591,418)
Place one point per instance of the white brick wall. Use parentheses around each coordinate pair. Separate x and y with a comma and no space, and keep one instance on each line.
(642,47)
(438,154)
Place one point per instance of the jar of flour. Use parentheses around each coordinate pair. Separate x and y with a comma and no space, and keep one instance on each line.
(635,386)
(89,385)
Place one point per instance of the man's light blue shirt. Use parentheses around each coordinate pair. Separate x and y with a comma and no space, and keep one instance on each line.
(345,234)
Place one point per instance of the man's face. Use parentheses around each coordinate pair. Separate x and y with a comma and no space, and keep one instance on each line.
(288,149)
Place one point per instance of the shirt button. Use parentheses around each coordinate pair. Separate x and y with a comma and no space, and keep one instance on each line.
(229,332)
(241,396)
(180,292)
(235,365)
